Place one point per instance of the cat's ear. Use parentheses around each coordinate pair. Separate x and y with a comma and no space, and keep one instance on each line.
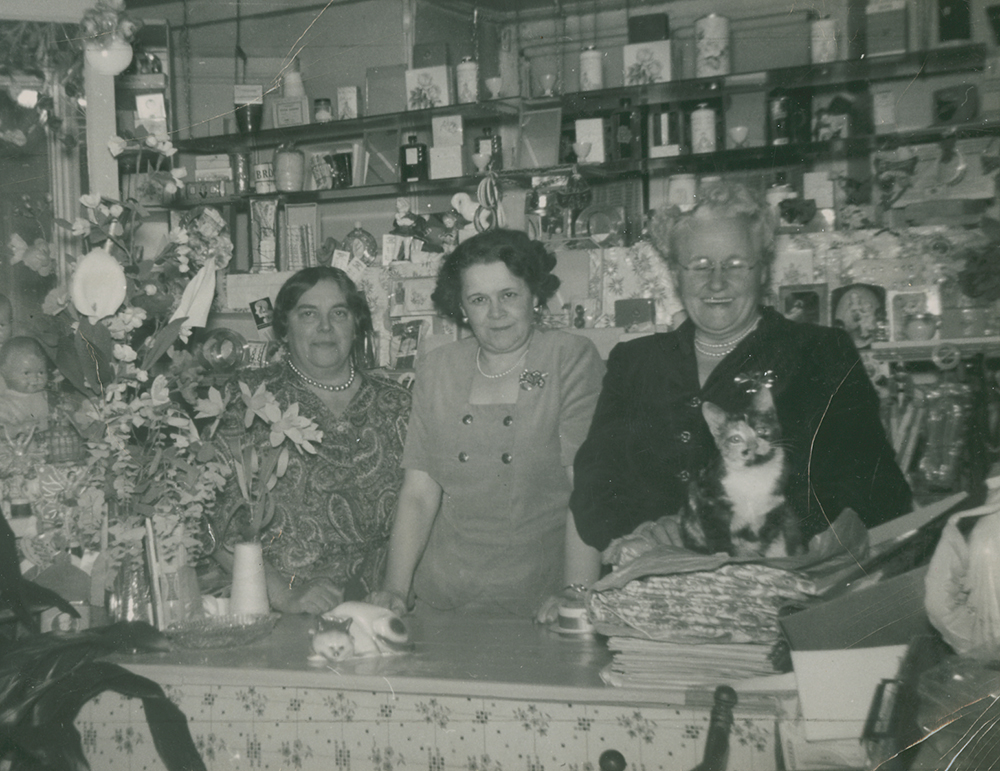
(715,416)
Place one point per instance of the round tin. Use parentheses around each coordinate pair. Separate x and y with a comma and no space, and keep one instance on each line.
(467,80)
(703,130)
(823,41)
(591,69)
(263,178)
(711,46)
(573,620)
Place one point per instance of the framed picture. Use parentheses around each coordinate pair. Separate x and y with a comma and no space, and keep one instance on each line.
(860,309)
(412,297)
(263,312)
(404,343)
(905,305)
(805,302)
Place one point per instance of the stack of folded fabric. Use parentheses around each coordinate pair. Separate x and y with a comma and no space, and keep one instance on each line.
(678,618)
(695,627)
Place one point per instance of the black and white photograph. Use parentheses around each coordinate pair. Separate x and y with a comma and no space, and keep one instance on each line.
(499,385)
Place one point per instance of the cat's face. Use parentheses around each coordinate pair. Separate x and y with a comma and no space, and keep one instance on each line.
(745,439)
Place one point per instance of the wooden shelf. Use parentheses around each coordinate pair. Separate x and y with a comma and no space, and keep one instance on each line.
(923,64)
(926,350)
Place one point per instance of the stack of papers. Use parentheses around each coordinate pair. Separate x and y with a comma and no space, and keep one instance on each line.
(639,663)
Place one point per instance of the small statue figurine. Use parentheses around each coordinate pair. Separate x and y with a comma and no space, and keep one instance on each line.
(406,223)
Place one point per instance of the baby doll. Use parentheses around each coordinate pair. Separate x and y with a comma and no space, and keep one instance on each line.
(24,371)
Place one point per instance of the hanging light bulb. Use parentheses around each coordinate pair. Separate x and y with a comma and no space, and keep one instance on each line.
(109,57)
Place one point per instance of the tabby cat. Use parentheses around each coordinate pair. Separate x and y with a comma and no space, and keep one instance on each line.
(737,504)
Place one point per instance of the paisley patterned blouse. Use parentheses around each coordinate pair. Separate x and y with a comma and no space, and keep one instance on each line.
(334,510)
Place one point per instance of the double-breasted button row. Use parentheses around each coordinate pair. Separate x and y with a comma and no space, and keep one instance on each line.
(506,458)
(507,421)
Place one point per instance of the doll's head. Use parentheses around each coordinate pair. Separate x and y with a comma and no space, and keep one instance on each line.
(6,319)
(23,365)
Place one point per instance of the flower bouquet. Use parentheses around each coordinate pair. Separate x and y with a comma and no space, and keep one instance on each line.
(116,327)
(257,466)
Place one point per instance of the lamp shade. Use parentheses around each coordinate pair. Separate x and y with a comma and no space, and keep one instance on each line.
(110,58)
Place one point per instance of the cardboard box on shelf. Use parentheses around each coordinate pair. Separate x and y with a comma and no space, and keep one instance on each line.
(446,162)
(385,89)
(429,87)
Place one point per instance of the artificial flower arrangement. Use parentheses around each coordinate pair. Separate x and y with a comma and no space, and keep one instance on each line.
(159,181)
(107,20)
(257,469)
(115,330)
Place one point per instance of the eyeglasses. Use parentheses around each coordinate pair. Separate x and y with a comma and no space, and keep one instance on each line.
(734,267)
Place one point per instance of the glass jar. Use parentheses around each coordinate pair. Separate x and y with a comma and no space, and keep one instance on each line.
(289,168)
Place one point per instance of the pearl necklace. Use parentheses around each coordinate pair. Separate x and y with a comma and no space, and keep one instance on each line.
(722,349)
(479,365)
(324,386)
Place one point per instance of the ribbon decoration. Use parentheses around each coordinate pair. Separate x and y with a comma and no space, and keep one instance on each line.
(754,381)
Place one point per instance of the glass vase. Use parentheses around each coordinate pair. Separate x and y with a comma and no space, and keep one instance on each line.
(130,597)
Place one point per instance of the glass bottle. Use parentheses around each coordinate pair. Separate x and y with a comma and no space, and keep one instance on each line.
(627,127)
(413,161)
(490,144)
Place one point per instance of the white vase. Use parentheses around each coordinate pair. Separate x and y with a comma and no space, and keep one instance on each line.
(109,57)
(249,595)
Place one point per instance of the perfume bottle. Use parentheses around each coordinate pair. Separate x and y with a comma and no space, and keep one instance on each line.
(491,145)
(413,164)
(627,127)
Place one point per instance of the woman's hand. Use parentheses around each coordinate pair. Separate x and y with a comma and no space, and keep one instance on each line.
(388,599)
(548,612)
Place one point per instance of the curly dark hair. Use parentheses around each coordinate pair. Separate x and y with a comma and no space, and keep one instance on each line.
(528,260)
(363,348)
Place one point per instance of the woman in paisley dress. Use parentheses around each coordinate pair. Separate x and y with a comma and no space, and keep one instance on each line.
(334,510)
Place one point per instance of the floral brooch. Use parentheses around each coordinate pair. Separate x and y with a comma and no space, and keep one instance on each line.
(534,379)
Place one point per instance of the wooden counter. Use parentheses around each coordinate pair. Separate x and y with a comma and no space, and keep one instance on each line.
(476,694)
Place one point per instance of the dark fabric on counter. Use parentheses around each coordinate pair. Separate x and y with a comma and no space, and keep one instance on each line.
(648,436)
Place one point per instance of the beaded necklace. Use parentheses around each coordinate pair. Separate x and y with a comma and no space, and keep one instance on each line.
(324,386)
(722,349)
(479,365)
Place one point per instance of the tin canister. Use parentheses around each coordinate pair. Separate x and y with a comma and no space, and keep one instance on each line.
(711,46)
(703,130)
(467,80)
(779,128)
(823,40)
(263,178)
(241,172)
(591,69)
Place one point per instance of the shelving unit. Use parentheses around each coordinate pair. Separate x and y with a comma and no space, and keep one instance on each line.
(854,74)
